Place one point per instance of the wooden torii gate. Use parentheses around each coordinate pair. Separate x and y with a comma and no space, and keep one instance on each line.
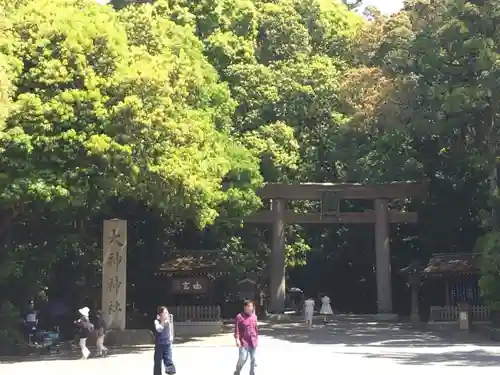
(330,196)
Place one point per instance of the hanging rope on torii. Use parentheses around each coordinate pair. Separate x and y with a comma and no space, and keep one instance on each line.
(330,196)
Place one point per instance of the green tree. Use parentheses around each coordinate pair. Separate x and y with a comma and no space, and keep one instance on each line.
(448,57)
(107,106)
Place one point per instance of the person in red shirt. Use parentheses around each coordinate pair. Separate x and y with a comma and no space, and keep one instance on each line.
(246,335)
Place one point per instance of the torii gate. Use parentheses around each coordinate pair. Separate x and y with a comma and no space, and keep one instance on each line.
(330,195)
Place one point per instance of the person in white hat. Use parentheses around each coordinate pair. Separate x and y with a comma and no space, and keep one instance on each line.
(85,328)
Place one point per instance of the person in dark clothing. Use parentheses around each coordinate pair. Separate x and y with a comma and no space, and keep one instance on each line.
(100,327)
(30,322)
(163,342)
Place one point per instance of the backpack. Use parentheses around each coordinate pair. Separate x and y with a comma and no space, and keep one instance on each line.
(88,327)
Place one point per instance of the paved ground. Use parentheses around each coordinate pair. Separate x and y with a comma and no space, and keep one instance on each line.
(290,349)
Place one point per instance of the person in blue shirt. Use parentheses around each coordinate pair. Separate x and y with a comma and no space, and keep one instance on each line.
(163,342)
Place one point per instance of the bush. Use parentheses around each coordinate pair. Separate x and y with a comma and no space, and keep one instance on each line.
(489,246)
(10,327)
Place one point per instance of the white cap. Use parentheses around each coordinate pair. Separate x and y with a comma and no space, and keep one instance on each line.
(84,311)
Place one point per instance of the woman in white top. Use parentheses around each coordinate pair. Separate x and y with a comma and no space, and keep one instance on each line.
(326,309)
(309,311)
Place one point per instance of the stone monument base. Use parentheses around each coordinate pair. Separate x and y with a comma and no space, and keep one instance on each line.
(415,318)
(195,329)
(385,317)
(281,317)
(127,337)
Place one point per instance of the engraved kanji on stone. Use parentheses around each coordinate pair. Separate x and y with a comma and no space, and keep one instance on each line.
(114,306)
(111,284)
(114,283)
(118,306)
(114,258)
(111,308)
(115,238)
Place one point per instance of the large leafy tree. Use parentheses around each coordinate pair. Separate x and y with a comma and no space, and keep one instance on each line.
(107,106)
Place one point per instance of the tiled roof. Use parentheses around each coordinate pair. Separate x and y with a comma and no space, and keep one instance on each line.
(453,263)
(193,261)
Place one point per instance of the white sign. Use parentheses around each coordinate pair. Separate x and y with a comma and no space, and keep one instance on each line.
(114,273)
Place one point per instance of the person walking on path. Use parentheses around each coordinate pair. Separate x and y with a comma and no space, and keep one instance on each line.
(246,334)
(326,309)
(163,342)
(84,328)
(100,327)
(309,311)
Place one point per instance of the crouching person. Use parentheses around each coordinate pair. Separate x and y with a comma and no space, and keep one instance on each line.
(100,327)
(163,343)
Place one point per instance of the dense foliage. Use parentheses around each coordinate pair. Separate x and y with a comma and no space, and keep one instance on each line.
(171,113)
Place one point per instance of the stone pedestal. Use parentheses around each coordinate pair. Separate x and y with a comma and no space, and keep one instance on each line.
(130,337)
(465,316)
(415,316)
(381,317)
(114,273)
(198,329)
(281,318)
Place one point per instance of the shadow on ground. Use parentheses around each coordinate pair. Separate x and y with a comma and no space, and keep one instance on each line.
(357,332)
(71,355)
(477,358)
(74,353)
(397,342)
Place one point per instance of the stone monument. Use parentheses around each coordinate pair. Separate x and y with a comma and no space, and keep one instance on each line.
(114,273)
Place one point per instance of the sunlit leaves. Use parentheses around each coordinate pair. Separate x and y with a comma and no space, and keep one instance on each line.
(116,104)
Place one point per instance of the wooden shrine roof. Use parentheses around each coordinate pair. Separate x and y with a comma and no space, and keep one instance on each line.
(453,264)
(194,262)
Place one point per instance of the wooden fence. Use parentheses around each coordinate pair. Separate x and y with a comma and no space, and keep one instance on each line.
(451,313)
(195,313)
